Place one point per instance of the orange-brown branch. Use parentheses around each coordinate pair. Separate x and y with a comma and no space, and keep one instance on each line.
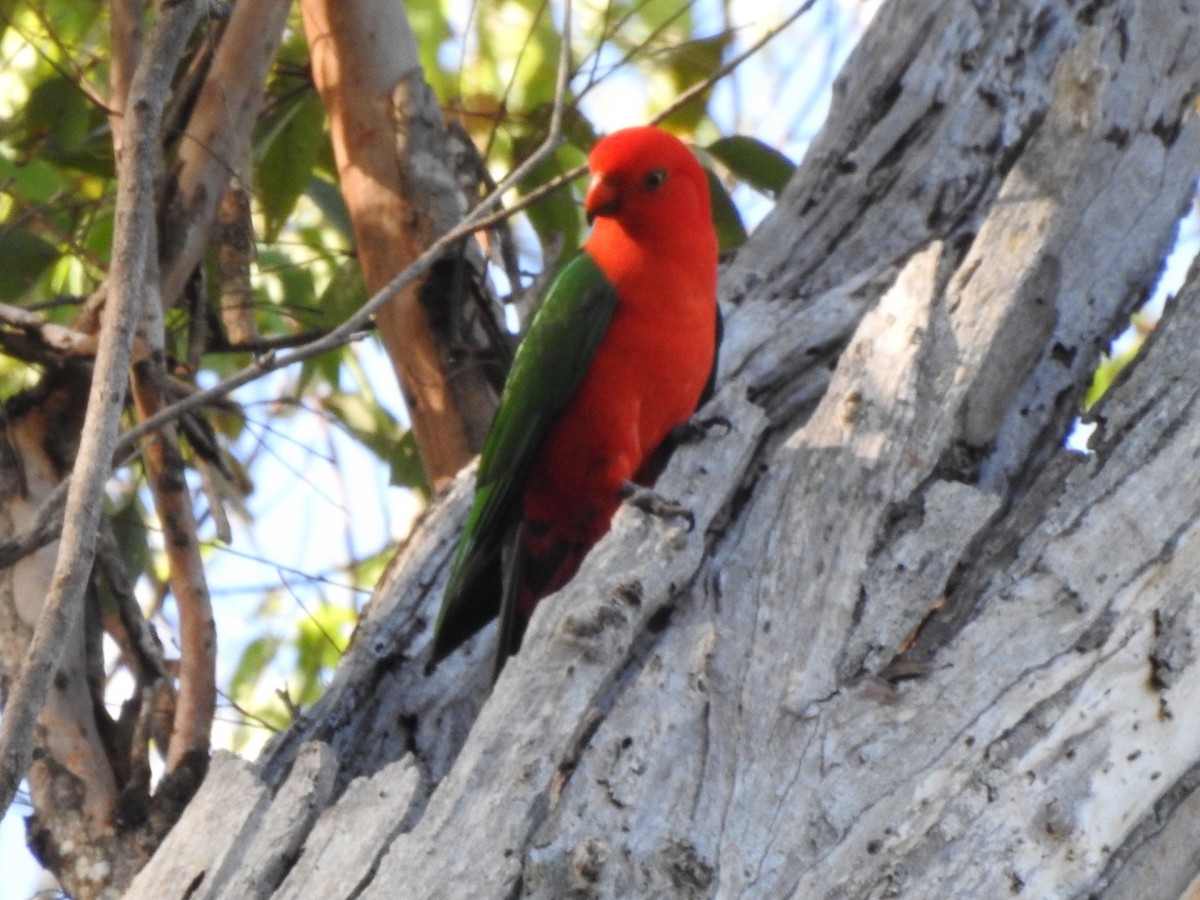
(196,702)
(364,61)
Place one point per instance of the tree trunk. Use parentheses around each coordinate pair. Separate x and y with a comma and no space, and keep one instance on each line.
(912,647)
(395,162)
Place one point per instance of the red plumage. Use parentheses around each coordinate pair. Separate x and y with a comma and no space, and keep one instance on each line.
(654,241)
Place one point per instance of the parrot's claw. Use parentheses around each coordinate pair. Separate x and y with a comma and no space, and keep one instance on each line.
(655,504)
(697,429)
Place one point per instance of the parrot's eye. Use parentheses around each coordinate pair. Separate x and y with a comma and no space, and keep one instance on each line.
(654,178)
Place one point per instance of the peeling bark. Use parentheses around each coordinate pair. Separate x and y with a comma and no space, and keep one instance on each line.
(216,137)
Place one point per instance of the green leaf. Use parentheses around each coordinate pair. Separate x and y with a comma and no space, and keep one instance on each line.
(371,569)
(428,21)
(34,180)
(7,9)
(324,368)
(372,426)
(258,654)
(328,198)
(364,420)
(287,163)
(99,235)
(321,638)
(731,232)
(56,118)
(518,53)
(669,17)
(26,257)
(690,64)
(359,416)
(296,288)
(1111,366)
(407,470)
(344,295)
(763,168)
(93,157)
(129,528)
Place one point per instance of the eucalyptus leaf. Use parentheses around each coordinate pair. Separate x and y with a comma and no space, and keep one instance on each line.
(762,167)
(731,232)
(287,165)
(26,257)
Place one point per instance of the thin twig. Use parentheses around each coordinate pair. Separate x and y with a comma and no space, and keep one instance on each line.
(702,86)
(131,252)
(634,50)
(512,80)
(338,647)
(471,223)
(248,718)
(699,87)
(45,529)
(141,643)
(49,514)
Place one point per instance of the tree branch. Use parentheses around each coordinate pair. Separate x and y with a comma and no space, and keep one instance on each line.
(41,340)
(754,747)
(359,323)
(196,699)
(125,31)
(391,149)
(394,163)
(132,249)
(217,135)
(699,87)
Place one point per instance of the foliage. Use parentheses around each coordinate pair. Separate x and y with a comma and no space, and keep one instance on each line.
(494,76)
(1121,355)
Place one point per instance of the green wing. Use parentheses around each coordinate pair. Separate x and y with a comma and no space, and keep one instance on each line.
(547,371)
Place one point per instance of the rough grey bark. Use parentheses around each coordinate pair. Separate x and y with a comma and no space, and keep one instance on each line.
(913,647)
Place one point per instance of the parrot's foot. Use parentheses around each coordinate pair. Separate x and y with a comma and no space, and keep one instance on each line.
(655,504)
(697,429)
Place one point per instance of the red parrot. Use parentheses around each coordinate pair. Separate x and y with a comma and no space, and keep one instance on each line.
(621,351)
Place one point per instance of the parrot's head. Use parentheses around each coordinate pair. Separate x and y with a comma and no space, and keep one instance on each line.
(648,182)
